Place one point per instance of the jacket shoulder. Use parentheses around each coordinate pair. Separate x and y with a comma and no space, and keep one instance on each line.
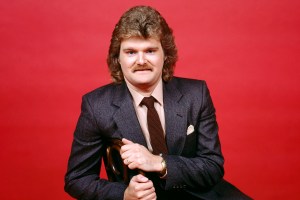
(188,85)
(103,92)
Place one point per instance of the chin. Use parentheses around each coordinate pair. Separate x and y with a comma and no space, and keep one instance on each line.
(143,83)
(144,80)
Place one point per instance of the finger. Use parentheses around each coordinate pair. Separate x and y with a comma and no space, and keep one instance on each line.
(131,165)
(145,190)
(126,153)
(124,149)
(133,181)
(125,141)
(128,162)
(149,194)
(141,179)
(127,145)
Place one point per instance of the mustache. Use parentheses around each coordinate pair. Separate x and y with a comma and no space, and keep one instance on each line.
(141,67)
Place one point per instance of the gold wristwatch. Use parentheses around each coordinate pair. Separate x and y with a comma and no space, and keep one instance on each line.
(163,172)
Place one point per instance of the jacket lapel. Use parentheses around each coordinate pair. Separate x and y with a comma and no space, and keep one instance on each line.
(176,119)
(125,117)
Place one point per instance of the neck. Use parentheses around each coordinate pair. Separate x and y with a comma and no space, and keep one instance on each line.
(144,89)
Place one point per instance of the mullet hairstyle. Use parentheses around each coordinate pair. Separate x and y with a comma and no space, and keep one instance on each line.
(143,22)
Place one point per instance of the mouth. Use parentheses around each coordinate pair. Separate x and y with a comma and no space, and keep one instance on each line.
(142,69)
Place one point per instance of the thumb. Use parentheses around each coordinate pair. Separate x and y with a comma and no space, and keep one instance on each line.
(140,178)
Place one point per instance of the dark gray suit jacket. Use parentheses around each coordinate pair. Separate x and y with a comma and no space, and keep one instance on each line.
(194,163)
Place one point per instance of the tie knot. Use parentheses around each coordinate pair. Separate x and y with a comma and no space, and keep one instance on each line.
(148,102)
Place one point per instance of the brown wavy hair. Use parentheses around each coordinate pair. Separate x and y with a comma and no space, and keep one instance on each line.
(144,22)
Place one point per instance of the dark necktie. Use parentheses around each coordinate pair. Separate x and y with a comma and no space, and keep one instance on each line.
(156,132)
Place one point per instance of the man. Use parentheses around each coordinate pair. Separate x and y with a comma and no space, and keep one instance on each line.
(183,159)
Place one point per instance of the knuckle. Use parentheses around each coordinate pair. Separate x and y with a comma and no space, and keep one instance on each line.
(136,188)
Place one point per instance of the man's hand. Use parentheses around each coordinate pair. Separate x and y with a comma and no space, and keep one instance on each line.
(136,156)
(140,187)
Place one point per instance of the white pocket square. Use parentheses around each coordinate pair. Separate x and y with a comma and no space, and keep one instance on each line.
(190,129)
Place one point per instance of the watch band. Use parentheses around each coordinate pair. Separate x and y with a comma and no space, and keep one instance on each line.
(163,172)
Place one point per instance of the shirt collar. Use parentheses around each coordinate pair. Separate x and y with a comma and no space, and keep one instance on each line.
(157,94)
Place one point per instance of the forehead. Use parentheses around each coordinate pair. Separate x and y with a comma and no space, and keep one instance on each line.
(138,42)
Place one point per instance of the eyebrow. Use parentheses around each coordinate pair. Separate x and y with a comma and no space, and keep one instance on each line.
(132,48)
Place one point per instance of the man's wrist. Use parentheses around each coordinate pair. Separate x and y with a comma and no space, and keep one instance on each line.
(163,172)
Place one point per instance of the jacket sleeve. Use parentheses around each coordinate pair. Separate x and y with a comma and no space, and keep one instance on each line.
(205,168)
(82,178)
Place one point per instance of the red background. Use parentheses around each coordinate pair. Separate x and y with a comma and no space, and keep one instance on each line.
(52,52)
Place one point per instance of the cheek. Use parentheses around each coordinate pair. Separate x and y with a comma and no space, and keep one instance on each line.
(160,62)
(126,63)
(124,69)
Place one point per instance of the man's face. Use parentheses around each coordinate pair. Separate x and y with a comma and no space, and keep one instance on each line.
(142,61)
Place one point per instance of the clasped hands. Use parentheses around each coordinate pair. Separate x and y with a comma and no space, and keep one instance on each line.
(136,156)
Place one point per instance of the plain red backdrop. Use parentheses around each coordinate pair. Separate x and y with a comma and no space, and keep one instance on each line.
(52,52)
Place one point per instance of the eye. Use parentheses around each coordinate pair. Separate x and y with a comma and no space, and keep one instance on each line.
(130,52)
(150,51)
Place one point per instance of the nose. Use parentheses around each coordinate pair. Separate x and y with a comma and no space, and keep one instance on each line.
(141,60)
